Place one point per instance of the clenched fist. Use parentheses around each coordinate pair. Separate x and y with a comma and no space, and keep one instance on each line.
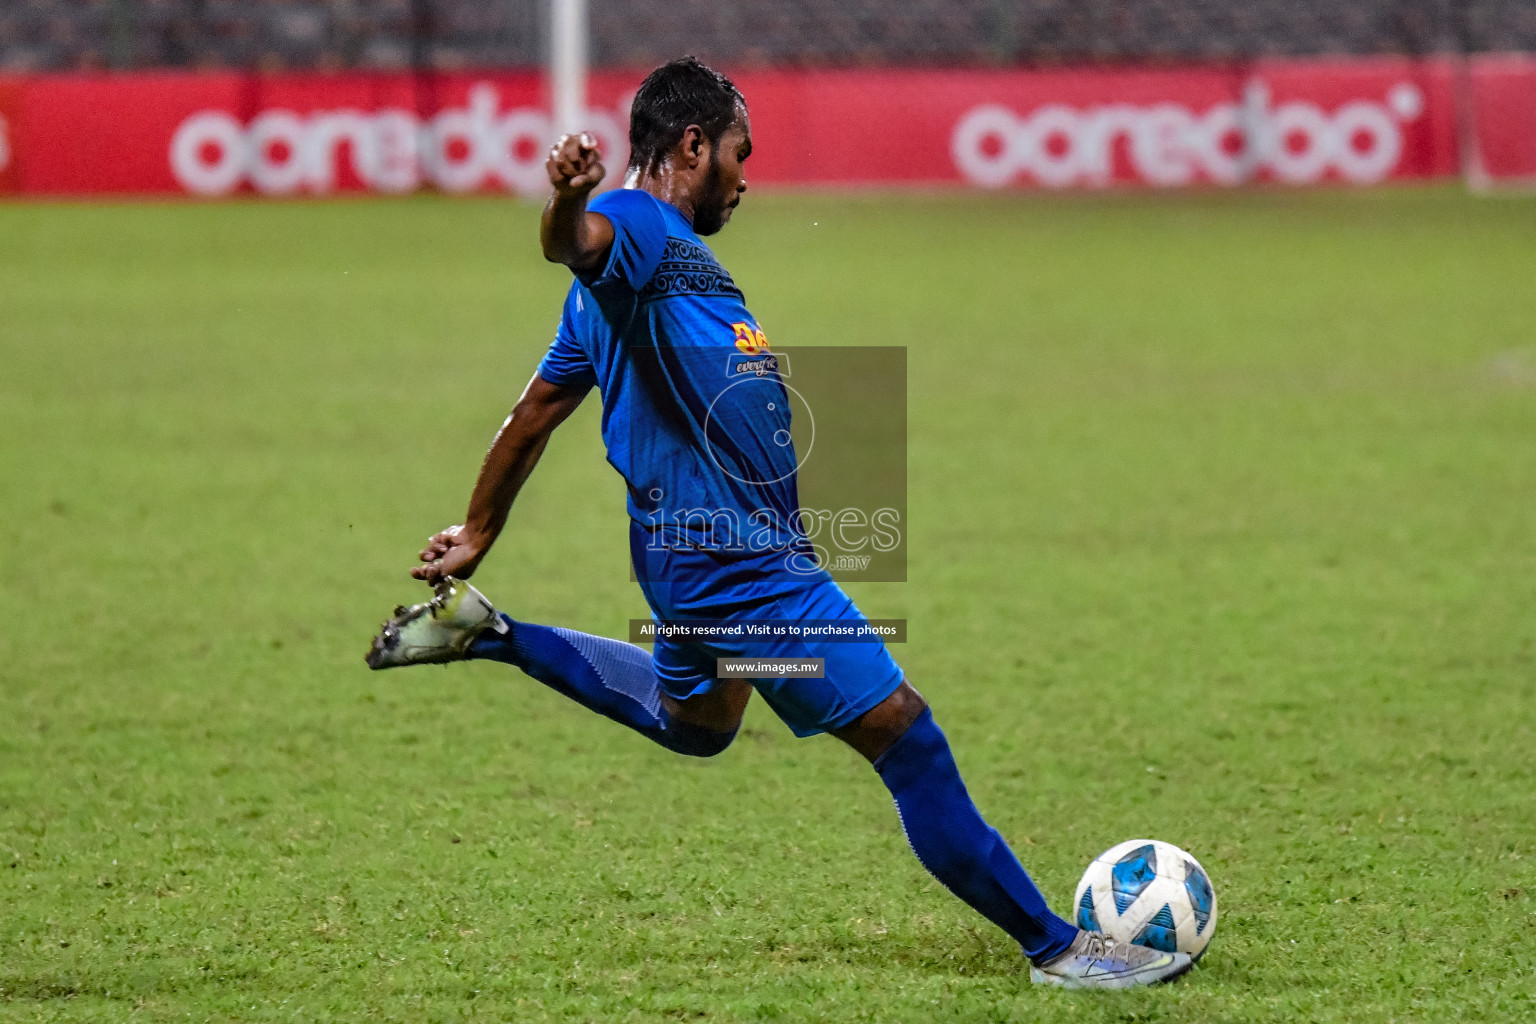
(575,166)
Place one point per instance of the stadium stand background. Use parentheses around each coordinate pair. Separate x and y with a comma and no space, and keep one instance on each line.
(295,35)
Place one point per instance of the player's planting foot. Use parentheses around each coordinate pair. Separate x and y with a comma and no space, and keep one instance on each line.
(436,632)
(1096,961)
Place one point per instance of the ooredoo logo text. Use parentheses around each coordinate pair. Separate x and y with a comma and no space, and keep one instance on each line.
(1169,144)
(461,149)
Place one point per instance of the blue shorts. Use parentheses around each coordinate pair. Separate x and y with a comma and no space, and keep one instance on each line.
(698,584)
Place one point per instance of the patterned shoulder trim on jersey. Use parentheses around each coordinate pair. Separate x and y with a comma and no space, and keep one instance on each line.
(688,268)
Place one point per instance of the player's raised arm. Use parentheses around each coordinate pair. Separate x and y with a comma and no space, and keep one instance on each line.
(457,551)
(569,234)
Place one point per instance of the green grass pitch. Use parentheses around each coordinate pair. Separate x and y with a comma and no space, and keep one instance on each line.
(1223,531)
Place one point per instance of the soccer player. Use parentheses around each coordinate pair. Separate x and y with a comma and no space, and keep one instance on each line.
(646,322)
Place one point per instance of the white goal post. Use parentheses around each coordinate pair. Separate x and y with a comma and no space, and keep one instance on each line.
(568,64)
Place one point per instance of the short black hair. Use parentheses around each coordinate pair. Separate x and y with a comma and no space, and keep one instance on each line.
(677,94)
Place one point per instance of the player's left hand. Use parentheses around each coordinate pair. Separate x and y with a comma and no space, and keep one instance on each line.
(451,552)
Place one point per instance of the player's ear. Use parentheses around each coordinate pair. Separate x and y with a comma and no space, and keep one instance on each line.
(695,146)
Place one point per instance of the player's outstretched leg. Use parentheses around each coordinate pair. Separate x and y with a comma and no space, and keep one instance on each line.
(610,677)
(960,849)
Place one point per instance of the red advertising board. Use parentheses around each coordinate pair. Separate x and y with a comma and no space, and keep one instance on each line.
(1293,122)
(1503,109)
(10,115)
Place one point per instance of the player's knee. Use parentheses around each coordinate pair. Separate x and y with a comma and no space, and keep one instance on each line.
(878,729)
(697,741)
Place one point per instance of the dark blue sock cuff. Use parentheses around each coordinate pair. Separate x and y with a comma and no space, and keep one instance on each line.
(911,756)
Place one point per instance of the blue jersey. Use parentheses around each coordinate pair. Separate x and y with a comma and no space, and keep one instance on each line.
(696,418)
(695,415)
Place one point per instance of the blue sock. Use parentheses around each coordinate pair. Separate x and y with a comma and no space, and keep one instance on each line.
(610,677)
(959,848)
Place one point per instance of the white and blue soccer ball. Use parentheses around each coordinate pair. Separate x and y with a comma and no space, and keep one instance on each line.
(1150,893)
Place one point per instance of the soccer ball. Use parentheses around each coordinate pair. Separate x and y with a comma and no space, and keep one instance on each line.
(1150,893)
